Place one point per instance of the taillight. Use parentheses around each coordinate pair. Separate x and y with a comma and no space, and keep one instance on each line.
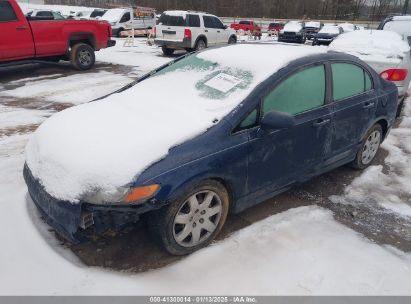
(187,33)
(394,74)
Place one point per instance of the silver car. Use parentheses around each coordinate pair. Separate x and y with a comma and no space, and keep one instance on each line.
(385,51)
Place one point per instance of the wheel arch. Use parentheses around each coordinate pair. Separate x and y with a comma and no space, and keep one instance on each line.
(201,37)
(384,125)
(82,37)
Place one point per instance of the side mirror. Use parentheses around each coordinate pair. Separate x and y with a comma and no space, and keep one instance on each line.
(277,120)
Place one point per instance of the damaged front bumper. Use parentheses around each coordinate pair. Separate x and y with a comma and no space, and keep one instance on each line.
(74,221)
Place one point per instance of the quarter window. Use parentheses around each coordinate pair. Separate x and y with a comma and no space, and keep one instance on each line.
(6,12)
(300,92)
(349,80)
(249,121)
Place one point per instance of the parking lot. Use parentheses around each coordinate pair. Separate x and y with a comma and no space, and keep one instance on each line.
(375,205)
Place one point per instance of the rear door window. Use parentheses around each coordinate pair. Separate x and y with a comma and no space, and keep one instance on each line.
(6,12)
(193,20)
(349,80)
(301,92)
(126,17)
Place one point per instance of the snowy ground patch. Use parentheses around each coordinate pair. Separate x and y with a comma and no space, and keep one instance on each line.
(74,89)
(141,56)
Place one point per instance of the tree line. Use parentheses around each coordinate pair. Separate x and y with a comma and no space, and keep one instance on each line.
(282,9)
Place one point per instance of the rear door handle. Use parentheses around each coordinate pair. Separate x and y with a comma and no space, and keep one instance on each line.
(368,105)
(21,28)
(218,31)
(321,122)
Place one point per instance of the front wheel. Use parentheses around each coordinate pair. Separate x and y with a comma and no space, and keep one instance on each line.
(82,56)
(369,148)
(192,221)
(232,40)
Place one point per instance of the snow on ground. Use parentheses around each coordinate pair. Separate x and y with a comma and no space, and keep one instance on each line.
(26,6)
(74,89)
(141,56)
(11,117)
(389,188)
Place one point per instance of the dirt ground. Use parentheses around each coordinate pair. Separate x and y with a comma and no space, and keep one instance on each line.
(133,249)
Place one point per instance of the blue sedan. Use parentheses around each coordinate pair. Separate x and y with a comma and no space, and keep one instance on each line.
(250,130)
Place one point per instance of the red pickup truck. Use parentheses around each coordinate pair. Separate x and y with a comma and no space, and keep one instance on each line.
(25,39)
(247,26)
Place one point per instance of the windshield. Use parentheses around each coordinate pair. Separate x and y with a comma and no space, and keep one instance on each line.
(113,14)
(214,81)
(95,14)
(402,27)
(330,30)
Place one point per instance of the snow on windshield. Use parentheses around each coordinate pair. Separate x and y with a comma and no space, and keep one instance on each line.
(315,24)
(347,27)
(373,43)
(74,152)
(292,27)
(329,29)
(400,26)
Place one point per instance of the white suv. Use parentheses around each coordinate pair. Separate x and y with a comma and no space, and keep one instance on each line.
(186,30)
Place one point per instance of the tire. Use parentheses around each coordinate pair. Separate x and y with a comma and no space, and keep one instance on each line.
(183,226)
(369,148)
(167,51)
(200,45)
(232,40)
(399,108)
(82,56)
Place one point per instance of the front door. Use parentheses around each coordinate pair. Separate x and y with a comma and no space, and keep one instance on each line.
(281,157)
(16,41)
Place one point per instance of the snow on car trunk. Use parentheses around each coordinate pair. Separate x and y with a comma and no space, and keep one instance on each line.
(380,49)
(103,145)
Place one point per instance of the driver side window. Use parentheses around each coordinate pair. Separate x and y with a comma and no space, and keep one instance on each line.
(126,17)
(300,92)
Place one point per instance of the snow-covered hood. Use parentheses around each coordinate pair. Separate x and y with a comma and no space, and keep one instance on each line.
(104,145)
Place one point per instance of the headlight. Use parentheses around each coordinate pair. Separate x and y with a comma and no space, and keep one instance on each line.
(299,33)
(112,23)
(122,195)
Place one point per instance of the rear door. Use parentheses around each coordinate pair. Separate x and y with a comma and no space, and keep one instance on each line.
(354,105)
(16,41)
(210,30)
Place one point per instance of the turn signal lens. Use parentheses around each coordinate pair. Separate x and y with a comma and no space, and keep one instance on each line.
(140,193)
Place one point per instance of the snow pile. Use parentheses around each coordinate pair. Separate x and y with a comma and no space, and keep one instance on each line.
(101,146)
(371,44)
(347,27)
(387,189)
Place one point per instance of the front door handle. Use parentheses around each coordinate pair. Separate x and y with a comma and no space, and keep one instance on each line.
(206,31)
(21,28)
(218,31)
(368,105)
(321,122)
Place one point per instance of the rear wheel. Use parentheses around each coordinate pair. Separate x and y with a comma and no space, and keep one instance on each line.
(82,56)
(200,45)
(167,51)
(369,148)
(193,220)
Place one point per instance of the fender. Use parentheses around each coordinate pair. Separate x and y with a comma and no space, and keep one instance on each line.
(203,38)
(86,37)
